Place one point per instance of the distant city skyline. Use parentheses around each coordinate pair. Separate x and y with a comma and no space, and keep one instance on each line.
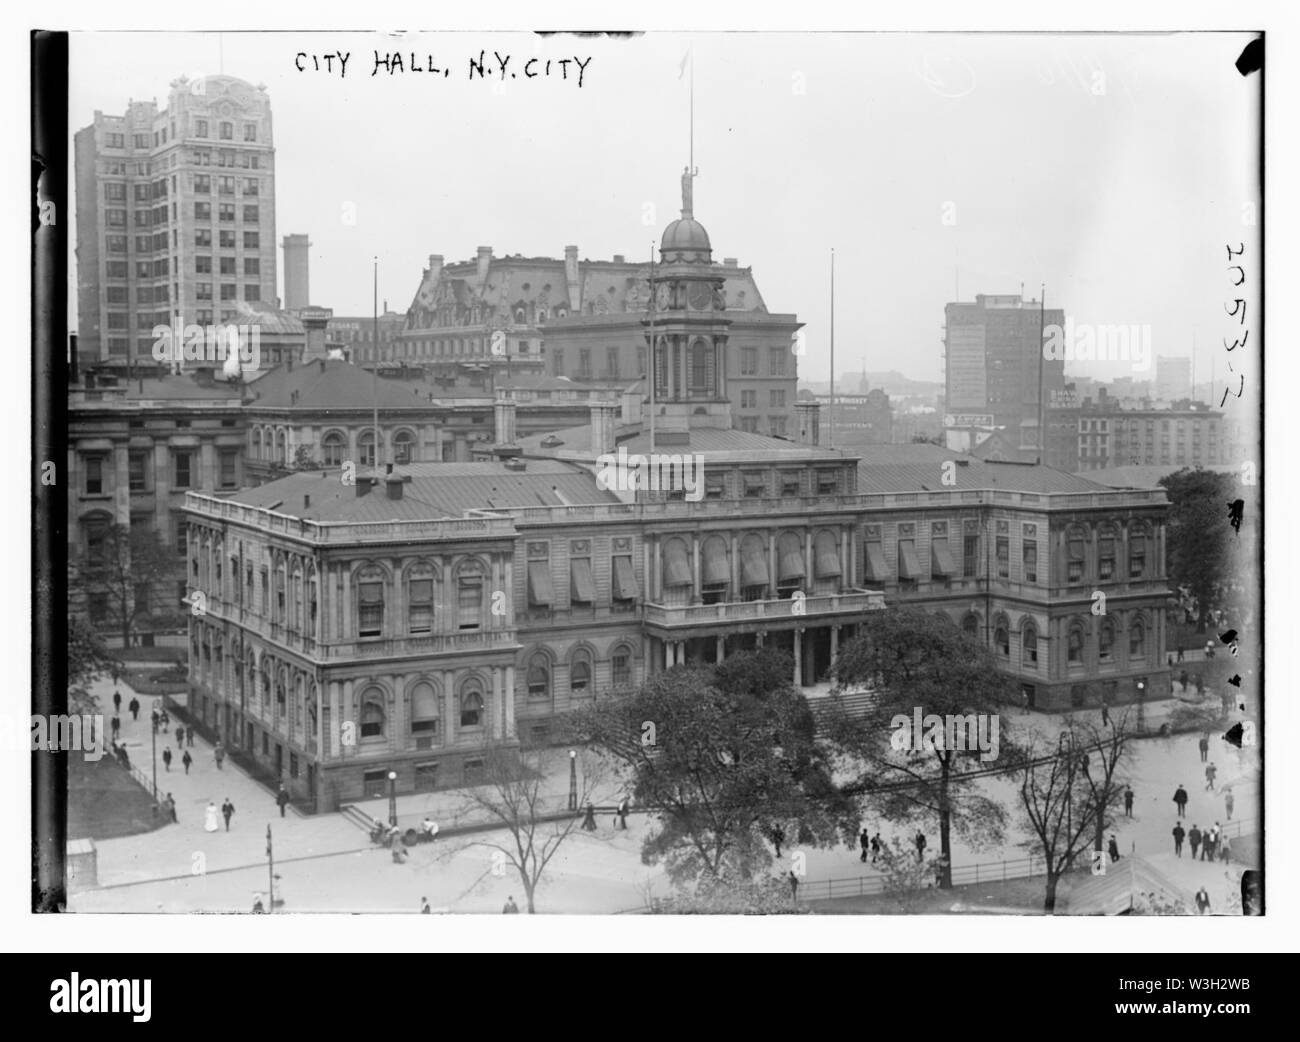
(937,166)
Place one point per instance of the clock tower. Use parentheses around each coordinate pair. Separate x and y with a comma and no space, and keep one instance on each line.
(689,326)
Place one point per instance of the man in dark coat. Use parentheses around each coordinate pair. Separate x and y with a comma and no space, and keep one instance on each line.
(134,706)
(282,799)
(865,841)
(1179,833)
(1180,801)
(1194,839)
(227,812)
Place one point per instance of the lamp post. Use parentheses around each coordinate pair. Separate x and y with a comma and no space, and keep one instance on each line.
(573,780)
(1142,706)
(154,745)
(392,797)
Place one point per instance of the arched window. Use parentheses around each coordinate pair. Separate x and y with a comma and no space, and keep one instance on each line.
(366,447)
(1106,641)
(1029,645)
(539,677)
(425,711)
(372,715)
(403,447)
(257,443)
(1137,639)
(471,705)
(332,448)
(281,448)
(580,673)
(370,602)
(701,367)
(1074,645)
(970,625)
(1002,637)
(311,711)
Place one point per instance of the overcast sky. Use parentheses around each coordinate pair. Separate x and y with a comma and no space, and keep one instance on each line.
(1112,168)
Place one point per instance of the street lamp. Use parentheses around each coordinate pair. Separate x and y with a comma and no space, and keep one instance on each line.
(154,744)
(573,780)
(392,797)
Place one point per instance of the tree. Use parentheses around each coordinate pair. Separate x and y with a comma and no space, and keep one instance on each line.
(919,665)
(906,877)
(88,660)
(727,757)
(1068,793)
(124,567)
(1199,536)
(536,822)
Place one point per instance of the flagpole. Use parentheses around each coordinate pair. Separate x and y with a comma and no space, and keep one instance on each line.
(1042,331)
(831,439)
(653,371)
(690,57)
(374,368)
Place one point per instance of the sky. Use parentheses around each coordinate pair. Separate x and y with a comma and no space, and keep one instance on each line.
(1110,168)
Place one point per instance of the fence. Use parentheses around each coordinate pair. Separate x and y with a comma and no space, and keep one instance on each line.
(867,886)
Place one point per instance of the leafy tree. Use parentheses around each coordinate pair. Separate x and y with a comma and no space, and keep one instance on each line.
(906,876)
(127,560)
(536,822)
(727,756)
(1199,536)
(88,660)
(913,660)
(730,894)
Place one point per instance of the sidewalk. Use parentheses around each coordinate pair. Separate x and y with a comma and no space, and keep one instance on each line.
(185,848)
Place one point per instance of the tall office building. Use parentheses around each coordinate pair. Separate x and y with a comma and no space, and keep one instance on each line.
(297,293)
(175,214)
(994,348)
(1173,377)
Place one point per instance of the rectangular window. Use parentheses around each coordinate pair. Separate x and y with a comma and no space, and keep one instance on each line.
(94,475)
(970,555)
(227,131)
(250,131)
(749,361)
(227,265)
(1004,557)
(420,606)
(749,399)
(1137,556)
(181,475)
(1106,558)
(200,128)
(370,609)
(225,185)
(250,214)
(469,598)
(252,266)
(776,399)
(250,240)
(611,363)
(229,468)
(776,361)
(203,211)
(1030,562)
(137,472)
(584,363)
(225,211)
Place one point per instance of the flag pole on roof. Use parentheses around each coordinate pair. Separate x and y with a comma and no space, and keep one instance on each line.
(374,369)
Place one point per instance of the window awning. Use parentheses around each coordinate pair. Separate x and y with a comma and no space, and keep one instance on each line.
(877,569)
(539,584)
(582,588)
(677,569)
(790,563)
(625,588)
(753,566)
(716,570)
(826,557)
(908,566)
(941,562)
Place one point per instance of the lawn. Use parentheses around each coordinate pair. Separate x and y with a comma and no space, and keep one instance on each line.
(104,801)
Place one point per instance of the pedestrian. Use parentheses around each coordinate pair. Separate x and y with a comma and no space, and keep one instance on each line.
(510,907)
(187,759)
(123,758)
(116,723)
(876,846)
(424,906)
(395,845)
(210,817)
(165,721)
(134,706)
(1200,686)
(1210,772)
(1180,801)
(794,886)
(1180,655)
(282,799)
(1179,833)
(1209,843)
(1114,849)
(1204,746)
(1202,902)
(1228,801)
(1194,839)
(1128,801)
(258,908)
(622,814)
(227,811)
(155,718)
(189,736)
(1225,849)
(170,806)
(589,821)
(167,759)
(777,835)
(1182,680)
(920,846)
(865,841)
(117,701)
(219,753)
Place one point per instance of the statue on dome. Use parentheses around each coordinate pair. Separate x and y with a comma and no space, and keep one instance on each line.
(688,192)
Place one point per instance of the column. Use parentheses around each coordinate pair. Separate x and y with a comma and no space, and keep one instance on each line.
(654,581)
(333,748)
(499,705)
(835,643)
(510,702)
(647,652)
(345,587)
(162,486)
(121,483)
(734,593)
(508,621)
(771,566)
(695,571)
(449,706)
(345,715)
(722,648)
(809,576)
(798,658)
(847,576)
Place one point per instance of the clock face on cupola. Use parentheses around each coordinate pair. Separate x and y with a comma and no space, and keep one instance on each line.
(700,296)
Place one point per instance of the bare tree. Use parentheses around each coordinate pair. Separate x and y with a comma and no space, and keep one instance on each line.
(519,790)
(125,567)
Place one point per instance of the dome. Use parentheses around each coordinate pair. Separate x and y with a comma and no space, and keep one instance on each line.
(685,233)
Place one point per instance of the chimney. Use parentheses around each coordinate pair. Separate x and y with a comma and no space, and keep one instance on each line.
(435,266)
(394,483)
(484,259)
(306,502)
(602,427)
(618,258)
(364,481)
(810,424)
(571,279)
(730,262)
(503,412)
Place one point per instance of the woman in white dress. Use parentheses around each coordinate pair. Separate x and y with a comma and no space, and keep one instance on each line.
(210,818)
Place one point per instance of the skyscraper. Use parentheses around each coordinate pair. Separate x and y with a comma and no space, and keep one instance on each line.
(297,292)
(994,350)
(175,214)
